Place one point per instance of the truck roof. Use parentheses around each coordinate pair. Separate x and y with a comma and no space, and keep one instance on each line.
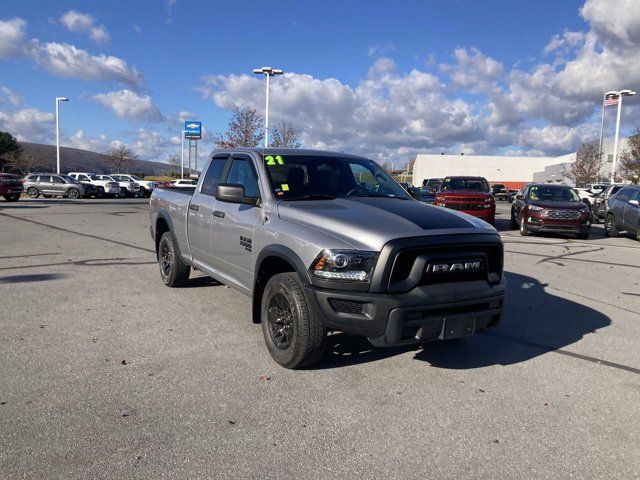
(286,151)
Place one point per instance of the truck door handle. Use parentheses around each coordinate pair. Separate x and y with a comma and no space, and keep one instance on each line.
(194,207)
(218,213)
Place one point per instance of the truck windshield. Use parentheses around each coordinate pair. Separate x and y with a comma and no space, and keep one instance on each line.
(474,184)
(309,177)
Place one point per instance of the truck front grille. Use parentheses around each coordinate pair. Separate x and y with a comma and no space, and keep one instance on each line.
(410,266)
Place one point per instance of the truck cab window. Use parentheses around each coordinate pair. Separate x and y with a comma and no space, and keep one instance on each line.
(241,173)
(212,177)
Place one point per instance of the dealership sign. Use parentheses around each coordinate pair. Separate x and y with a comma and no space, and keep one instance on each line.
(193,130)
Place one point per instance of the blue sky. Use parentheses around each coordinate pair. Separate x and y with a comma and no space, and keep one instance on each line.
(387,79)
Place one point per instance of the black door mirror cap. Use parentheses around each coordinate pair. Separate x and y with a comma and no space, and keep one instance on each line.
(234,193)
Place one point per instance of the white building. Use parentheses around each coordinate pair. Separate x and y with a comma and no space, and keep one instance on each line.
(510,171)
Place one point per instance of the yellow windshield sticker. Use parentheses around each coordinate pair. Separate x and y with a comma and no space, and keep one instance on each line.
(285,187)
(272,161)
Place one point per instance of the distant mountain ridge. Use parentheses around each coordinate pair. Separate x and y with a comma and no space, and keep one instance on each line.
(77,160)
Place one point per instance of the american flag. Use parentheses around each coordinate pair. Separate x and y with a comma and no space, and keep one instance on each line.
(610,101)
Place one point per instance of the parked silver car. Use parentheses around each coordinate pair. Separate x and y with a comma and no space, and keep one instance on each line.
(50,185)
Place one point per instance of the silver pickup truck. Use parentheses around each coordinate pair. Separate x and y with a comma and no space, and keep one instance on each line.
(327,241)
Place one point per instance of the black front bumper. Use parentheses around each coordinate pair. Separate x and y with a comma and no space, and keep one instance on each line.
(430,312)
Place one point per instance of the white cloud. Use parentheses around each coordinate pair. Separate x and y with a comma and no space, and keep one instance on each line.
(381,66)
(75,21)
(615,22)
(168,5)
(383,49)
(28,124)
(11,96)
(473,71)
(130,105)
(68,61)
(12,37)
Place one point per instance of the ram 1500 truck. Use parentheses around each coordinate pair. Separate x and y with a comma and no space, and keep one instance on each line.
(327,241)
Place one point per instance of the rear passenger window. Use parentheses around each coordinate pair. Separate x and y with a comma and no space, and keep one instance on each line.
(213,176)
(45,178)
(623,195)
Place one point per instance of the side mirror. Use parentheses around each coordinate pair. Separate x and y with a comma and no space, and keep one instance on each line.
(634,202)
(234,193)
(586,200)
(519,196)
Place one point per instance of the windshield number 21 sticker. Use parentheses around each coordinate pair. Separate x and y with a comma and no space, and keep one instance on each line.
(273,161)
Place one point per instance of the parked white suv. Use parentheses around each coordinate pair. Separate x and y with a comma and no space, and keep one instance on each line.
(107,186)
(146,186)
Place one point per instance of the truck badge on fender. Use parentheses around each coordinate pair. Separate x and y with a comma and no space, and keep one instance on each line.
(246,242)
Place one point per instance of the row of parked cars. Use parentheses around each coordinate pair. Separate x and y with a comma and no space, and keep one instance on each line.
(82,185)
(541,207)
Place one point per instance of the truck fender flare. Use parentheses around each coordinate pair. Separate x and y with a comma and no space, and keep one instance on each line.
(164,216)
(281,252)
(286,254)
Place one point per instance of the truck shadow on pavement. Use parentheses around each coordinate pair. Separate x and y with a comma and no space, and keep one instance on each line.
(39,277)
(534,323)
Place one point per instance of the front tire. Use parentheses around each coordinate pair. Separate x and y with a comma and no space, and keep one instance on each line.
(524,230)
(294,334)
(173,271)
(514,224)
(33,192)
(12,197)
(610,227)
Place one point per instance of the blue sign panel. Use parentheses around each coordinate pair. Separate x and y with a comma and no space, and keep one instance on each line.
(193,130)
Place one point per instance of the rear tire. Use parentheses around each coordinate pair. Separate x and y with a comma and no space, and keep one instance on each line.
(173,271)
(12,197)
(610,226)
(294,334)
(33,192)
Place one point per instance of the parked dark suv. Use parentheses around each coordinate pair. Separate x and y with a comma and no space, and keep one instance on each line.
(600,203)
(10,187)
(550,208)
(623,213)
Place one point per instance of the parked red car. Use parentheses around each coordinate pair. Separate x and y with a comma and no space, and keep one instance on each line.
(10,187)
(550,208)
(470,195)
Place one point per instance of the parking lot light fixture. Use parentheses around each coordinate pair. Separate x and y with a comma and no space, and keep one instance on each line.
(267,72)
(58,100)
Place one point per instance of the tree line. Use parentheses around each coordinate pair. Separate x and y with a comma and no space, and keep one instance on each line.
(587,167)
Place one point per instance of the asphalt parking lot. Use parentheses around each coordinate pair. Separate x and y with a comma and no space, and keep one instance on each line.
(106,373)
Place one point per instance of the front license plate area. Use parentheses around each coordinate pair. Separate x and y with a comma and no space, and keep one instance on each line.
(457,328)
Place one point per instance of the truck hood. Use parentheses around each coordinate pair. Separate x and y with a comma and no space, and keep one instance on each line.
(368,223)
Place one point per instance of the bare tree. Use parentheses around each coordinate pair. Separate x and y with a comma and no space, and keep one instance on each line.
(120,157)
(284,135)
(586,168)
(245,129)
(630,159)
(24,162)
(175,164)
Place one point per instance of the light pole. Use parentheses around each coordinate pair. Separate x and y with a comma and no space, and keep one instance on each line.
(182,154)
(619,95)
(267,72)
(58,100)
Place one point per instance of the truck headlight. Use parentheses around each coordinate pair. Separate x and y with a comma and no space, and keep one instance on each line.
(346,265)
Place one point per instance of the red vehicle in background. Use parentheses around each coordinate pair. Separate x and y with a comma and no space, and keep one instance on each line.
(10,187)
(471,195)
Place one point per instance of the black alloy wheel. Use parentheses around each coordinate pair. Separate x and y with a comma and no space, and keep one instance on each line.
(280,318)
